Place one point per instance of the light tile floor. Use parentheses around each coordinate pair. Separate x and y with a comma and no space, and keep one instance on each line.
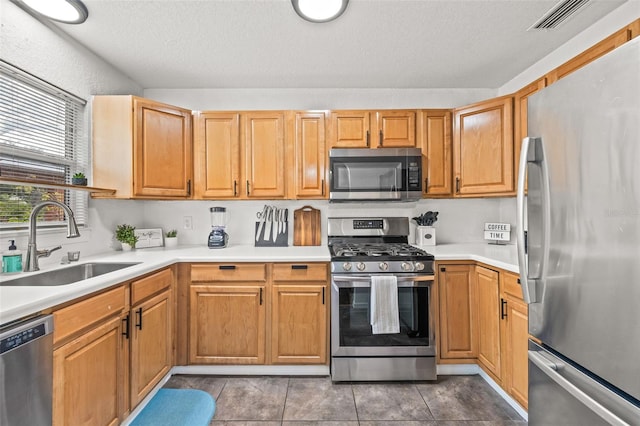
(306,401)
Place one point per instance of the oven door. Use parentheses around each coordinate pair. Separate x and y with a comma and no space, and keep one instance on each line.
(380,174)
(351,333)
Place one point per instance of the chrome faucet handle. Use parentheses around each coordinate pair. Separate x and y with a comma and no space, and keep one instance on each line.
(47,253)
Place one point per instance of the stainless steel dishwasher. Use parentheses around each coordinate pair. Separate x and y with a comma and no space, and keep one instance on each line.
(26,372)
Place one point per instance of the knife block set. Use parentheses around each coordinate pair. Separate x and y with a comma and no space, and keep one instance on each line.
(272,233)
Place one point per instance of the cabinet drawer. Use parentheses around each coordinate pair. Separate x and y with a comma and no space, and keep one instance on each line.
(511,285)
(81,315)
(145,287)
(300,272)
(229,272)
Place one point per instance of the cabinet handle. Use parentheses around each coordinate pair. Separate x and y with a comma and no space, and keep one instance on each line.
(125,332)
(299,266)
(139,315)
(457,184)
(260,295)
(235,188)
(503,310)
(518,280)
(189,187)
(323,295)
(368,137)
(380,141)
(426,185)
(322,186)
(443,269)
(248,188)
(224,267)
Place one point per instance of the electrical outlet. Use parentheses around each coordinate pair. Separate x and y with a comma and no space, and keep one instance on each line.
(187,222)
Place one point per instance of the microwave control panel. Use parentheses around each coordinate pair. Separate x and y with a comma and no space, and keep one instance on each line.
(415,179)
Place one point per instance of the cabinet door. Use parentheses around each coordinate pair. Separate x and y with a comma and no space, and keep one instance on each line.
(217,155)
(520,126)
(350,129)
(488,291)
(264,155)
(436,152)
(299,324)
(227,324)
(151,344)
(483,148)
(516,379)
(309,155)
(162,150)
(458,312)
(89,377)
(395,129)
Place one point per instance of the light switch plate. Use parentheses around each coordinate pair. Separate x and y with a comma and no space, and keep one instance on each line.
(149,237)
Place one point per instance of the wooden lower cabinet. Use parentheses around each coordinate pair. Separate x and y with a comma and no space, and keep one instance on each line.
(89,377)
(299,324)
(251,313)
(227,324)
(458,312)
(488,291)
(151,344)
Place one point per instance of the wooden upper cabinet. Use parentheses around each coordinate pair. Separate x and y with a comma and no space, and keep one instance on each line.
(141,148)
(264,154)
(350,129)
(307,170)
(483,148)
(520,127)
(395,129)
(217,155)
(616,39)
(435,130)
(373,129)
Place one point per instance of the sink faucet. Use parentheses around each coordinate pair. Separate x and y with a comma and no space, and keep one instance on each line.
(33,254)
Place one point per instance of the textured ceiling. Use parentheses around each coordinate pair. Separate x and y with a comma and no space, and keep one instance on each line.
(375,44)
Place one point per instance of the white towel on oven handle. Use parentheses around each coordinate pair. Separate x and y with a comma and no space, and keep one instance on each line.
(385,318)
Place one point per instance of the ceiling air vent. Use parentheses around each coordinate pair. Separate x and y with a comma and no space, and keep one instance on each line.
(558,14)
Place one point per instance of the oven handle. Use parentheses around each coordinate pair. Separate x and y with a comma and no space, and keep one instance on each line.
(348,281)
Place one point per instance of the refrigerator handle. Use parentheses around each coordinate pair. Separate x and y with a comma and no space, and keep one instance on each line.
(528,288)
(551,369)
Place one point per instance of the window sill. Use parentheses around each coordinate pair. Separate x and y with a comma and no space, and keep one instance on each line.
(45,184)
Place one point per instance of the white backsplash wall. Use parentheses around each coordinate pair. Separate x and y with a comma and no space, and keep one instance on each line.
(459,220)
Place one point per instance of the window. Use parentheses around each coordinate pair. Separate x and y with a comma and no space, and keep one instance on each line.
(41,138)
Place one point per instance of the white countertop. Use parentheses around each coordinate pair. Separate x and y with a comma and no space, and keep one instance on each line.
(18,302)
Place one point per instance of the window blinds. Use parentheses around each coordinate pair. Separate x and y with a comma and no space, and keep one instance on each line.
(41,138)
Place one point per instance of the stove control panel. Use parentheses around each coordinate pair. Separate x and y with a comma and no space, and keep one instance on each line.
(422,267)
(368,224)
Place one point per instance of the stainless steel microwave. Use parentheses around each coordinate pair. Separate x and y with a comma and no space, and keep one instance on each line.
(383,174)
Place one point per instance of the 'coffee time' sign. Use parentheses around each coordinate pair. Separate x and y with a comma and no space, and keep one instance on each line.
(500,233)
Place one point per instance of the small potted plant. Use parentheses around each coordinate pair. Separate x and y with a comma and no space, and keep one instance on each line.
(79,179)
(171,238)
(127,236)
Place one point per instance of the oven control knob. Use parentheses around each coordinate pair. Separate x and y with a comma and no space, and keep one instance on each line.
(406,266)
(383,266)
(419,266)
(346,266)
(360,266)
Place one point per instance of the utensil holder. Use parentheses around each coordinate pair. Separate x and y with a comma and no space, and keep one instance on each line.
(277,240)
(425,235)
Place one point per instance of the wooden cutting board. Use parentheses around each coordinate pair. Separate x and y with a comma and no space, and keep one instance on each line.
(306,227)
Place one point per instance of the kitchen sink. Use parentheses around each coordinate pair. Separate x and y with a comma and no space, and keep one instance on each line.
(68,275)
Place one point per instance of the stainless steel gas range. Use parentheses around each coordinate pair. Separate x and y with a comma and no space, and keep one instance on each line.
(364,251)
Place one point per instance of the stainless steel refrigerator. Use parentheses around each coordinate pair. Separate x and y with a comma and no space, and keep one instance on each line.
(581,270)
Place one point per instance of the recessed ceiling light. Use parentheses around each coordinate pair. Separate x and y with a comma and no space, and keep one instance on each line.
(67,11)
(319,10)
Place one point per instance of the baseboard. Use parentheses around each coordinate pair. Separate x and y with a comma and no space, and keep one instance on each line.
(512,402)
(254,370)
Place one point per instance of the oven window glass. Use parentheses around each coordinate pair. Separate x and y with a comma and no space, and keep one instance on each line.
(355,318)
(363,175)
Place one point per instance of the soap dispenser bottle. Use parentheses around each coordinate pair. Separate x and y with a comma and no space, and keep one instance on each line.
(12,259)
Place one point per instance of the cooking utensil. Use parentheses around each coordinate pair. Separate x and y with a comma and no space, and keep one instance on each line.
(263,217)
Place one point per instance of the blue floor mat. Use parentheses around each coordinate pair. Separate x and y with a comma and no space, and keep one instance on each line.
(177,407)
